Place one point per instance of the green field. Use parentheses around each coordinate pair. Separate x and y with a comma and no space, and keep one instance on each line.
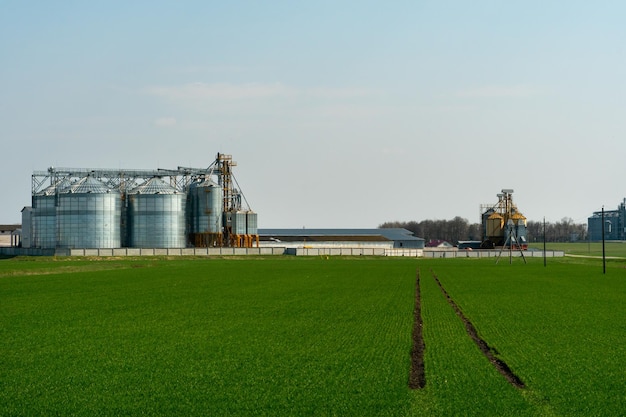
(611,249)
(308,336)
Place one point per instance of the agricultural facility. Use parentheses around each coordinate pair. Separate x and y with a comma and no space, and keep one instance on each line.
(614,222)
(503,224)
(104,208)
(382,241)
(202,212)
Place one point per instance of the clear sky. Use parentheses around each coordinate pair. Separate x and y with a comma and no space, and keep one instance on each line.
(339,113)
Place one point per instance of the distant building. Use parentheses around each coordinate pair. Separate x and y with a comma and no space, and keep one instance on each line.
(10,235)
(397,238)
(438,243)
(614,224)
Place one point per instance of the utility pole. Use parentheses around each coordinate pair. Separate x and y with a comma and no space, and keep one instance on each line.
(544,240)
(603,248)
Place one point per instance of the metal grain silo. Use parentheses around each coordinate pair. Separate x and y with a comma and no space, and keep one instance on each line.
(205,201)
(252,227)
(239,223)
(44,217)
(156,216)
(89,215)
(519,222)
(495,226)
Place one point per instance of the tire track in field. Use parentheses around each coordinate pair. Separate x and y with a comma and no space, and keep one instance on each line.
(488,351)
(417,376)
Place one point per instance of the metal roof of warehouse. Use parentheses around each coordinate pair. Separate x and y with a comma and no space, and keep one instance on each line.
(346,234)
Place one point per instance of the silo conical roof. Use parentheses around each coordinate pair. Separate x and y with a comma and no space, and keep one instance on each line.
(87,185)
(154,186)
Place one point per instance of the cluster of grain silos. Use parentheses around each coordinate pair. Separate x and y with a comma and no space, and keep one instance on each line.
(243,225)
(503,224)
(608,224)
(112,208)
(213,224)
(84,213)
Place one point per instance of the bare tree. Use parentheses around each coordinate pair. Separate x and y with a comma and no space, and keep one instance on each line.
(449,230)
(459,228)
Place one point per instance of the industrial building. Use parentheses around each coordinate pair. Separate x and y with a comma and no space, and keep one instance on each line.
(392,238)
(503,224)
(104,208)
(10,235)
(614,224)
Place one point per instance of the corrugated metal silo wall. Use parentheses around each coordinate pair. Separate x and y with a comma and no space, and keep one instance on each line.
(43,220)
(204,208)
(252,227)
(239,223)
(89,220)
(156,220)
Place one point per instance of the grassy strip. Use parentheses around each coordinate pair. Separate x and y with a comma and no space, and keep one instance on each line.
(612,248)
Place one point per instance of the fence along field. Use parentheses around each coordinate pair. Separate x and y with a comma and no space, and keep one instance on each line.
(286,336)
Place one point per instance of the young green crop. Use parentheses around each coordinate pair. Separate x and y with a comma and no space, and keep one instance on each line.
(611,248)
(306,336)
(459,379)
(209,337)
(561,328)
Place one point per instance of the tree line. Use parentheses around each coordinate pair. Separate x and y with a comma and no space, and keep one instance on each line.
(459,228)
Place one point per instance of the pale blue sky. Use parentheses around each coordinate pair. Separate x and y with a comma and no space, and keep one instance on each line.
(339,113)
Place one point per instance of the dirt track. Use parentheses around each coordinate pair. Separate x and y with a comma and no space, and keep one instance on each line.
(489,352)
(417,377)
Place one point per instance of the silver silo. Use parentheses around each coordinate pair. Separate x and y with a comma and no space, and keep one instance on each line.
(204,207)
(44,217)
(239,223)
(206,199)
(156,216)
(89,215)
(252,227)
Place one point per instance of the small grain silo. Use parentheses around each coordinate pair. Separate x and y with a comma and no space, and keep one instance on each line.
(238,228)
(252,228)
(495,226)
(205,209)
(520,228)
(239,223)
(88,215)
(156,216)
